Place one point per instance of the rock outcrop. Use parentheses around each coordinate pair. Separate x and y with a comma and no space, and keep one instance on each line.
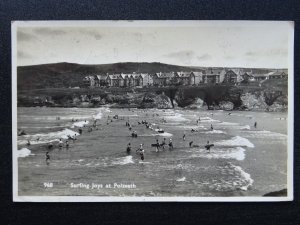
(150,100)
(226,105)
(254,102)
(197,104)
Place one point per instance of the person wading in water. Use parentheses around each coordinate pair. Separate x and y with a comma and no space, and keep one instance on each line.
(141,152)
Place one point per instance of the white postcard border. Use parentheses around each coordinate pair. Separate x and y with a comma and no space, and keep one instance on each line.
(149,23)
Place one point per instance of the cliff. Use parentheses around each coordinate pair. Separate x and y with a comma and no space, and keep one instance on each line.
(199,97)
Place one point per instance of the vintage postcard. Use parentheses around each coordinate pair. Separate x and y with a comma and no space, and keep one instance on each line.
(107,111)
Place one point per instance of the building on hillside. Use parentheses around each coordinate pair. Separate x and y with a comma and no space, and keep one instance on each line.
(89,81)
(146,79)
(198,77)
(213,76)
(230,77)
(137,79)
(260,77)
(247,77)
(277,75)
(113,80)
(184,78)
(162,79)
(100,80)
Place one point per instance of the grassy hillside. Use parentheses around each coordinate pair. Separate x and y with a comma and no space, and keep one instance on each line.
(60,75)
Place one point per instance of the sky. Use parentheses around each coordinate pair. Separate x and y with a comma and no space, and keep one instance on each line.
(186,43)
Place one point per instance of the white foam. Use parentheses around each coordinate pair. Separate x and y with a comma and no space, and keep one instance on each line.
(181,179)
(246,127)
(107,110)
(98,116)
(236,141)
(264,134)
(246,177)
(80,124)
(228,124)
(207,120)
(189,127)
(46,137)
(214,132)
(24,152)
(237,153)
(165,134)
(123,160)
(176,117)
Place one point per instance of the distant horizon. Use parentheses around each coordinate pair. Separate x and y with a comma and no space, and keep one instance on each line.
(191,66)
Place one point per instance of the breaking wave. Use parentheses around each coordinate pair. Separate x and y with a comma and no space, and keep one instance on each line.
(236,141)
(46,137)
(24,152)
(228,124)
(98,116)
(181,179)
(80,124)
(177,117)
(237,153)
(207,120)
(246,127)
(165,134)
(215,132)
(264,134)
(123,160)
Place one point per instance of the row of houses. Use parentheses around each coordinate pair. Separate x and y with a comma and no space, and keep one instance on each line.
(208,76)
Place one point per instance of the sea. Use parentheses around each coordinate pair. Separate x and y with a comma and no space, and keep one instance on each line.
(244,161)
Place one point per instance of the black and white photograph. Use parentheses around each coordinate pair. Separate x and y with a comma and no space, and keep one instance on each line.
(160,111)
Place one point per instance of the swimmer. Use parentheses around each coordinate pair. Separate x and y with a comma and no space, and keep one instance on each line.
(157,145)
(211,127)
(141,152)
(67,144)
(163,143)
(47,157)
(128,149)
(208,146)
(28,143)
(183,137)
(191,143)
(255,124)
(171,144)
(80,131)
(60,143)
(50,145)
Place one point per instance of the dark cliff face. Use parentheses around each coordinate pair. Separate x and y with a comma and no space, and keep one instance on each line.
(199,97)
